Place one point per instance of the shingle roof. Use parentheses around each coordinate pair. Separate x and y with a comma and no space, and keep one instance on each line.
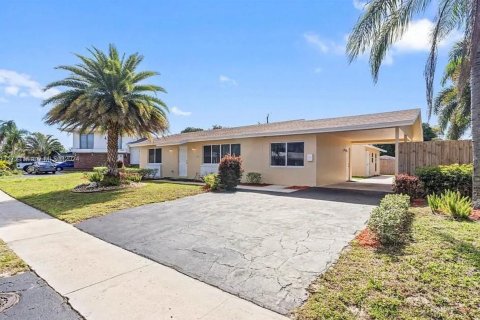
(359,122)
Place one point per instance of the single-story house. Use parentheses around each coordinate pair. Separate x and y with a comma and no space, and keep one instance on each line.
(297,152)
(365,160)
(90,149)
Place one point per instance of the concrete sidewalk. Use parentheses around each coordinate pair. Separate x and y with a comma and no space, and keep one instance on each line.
(103,281)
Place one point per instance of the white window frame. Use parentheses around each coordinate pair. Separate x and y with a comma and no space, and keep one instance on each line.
(286,154)
(86,135)
(155,155)
(221,154)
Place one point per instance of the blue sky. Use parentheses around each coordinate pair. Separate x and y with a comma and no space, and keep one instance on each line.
(222,62)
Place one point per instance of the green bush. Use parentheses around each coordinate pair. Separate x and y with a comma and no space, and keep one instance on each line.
(254,177)
(144,173)
(133,177)
(5,165)
(230,172)
(390,220)
(102,170)
(109,181)
(95,176)
(409,185)
(212,181)
(456,177)
(452,203)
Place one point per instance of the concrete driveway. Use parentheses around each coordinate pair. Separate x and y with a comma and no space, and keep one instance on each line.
(266,248)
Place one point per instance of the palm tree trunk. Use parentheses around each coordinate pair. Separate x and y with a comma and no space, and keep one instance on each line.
(475,105)
(112,151)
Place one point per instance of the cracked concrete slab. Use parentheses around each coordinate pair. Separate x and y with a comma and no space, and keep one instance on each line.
(266,248)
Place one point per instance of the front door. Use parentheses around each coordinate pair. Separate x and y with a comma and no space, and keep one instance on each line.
(182,161)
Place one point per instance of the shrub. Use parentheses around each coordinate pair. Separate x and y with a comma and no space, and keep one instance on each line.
(95,176)
(434,202)
(109,180)
(147,173)
(456,177)
(409,185)
(5,165)
(212,181)
(452,203)
(390,220)
(133,177)
(102,170)
(254,177)
(230,172)
(120,164)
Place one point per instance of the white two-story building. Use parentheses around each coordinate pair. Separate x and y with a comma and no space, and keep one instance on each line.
(90,150)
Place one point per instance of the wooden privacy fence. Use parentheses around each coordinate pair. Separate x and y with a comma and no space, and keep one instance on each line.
(387,165)
(413,155)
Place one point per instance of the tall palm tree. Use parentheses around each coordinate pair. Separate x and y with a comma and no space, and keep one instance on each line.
(40,145)
(384,22)
(104,93)
(453,109)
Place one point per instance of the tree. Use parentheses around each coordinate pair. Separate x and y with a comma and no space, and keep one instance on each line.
(191,129)
(40,145)
(453,109)
(12,139)
(429,133)
(104,93)
(216,127)
(384,22)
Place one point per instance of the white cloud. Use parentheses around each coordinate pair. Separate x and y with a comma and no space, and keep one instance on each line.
(417,37)
(12,90)
(227,80)
(359,5)
(22,85)
(323,45)
(179,112)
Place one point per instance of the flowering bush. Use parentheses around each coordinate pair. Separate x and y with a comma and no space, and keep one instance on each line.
(230,172)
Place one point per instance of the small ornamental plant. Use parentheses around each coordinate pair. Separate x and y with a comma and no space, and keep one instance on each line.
(230,172)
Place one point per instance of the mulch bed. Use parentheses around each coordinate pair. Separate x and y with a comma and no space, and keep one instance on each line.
(85,188)
(298,187)
(255,184)
(475,216)
(367,238)
(419,202)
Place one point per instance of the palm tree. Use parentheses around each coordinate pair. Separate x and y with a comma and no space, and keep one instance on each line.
(12,139)
(104,93)
(385,21)
(41,145)
(453,109)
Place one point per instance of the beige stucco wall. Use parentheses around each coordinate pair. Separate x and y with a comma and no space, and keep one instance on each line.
(329,159)
(359,161)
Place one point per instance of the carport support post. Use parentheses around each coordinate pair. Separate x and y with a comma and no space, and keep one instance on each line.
(397,137)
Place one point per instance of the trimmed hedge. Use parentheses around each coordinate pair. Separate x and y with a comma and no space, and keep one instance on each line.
(143,172)
(456,177)
(390,220)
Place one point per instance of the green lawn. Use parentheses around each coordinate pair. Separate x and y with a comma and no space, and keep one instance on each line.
(52,194)
(435,276)
(10,263)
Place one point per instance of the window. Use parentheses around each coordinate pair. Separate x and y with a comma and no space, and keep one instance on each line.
(289,154)
(215,152)
(119,145)
(154,155)
(86,141)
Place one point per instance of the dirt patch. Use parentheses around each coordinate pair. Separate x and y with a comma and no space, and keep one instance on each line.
(367,238)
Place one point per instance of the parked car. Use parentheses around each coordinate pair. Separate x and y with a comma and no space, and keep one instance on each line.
(23,163)
(69,164)
(42,167)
